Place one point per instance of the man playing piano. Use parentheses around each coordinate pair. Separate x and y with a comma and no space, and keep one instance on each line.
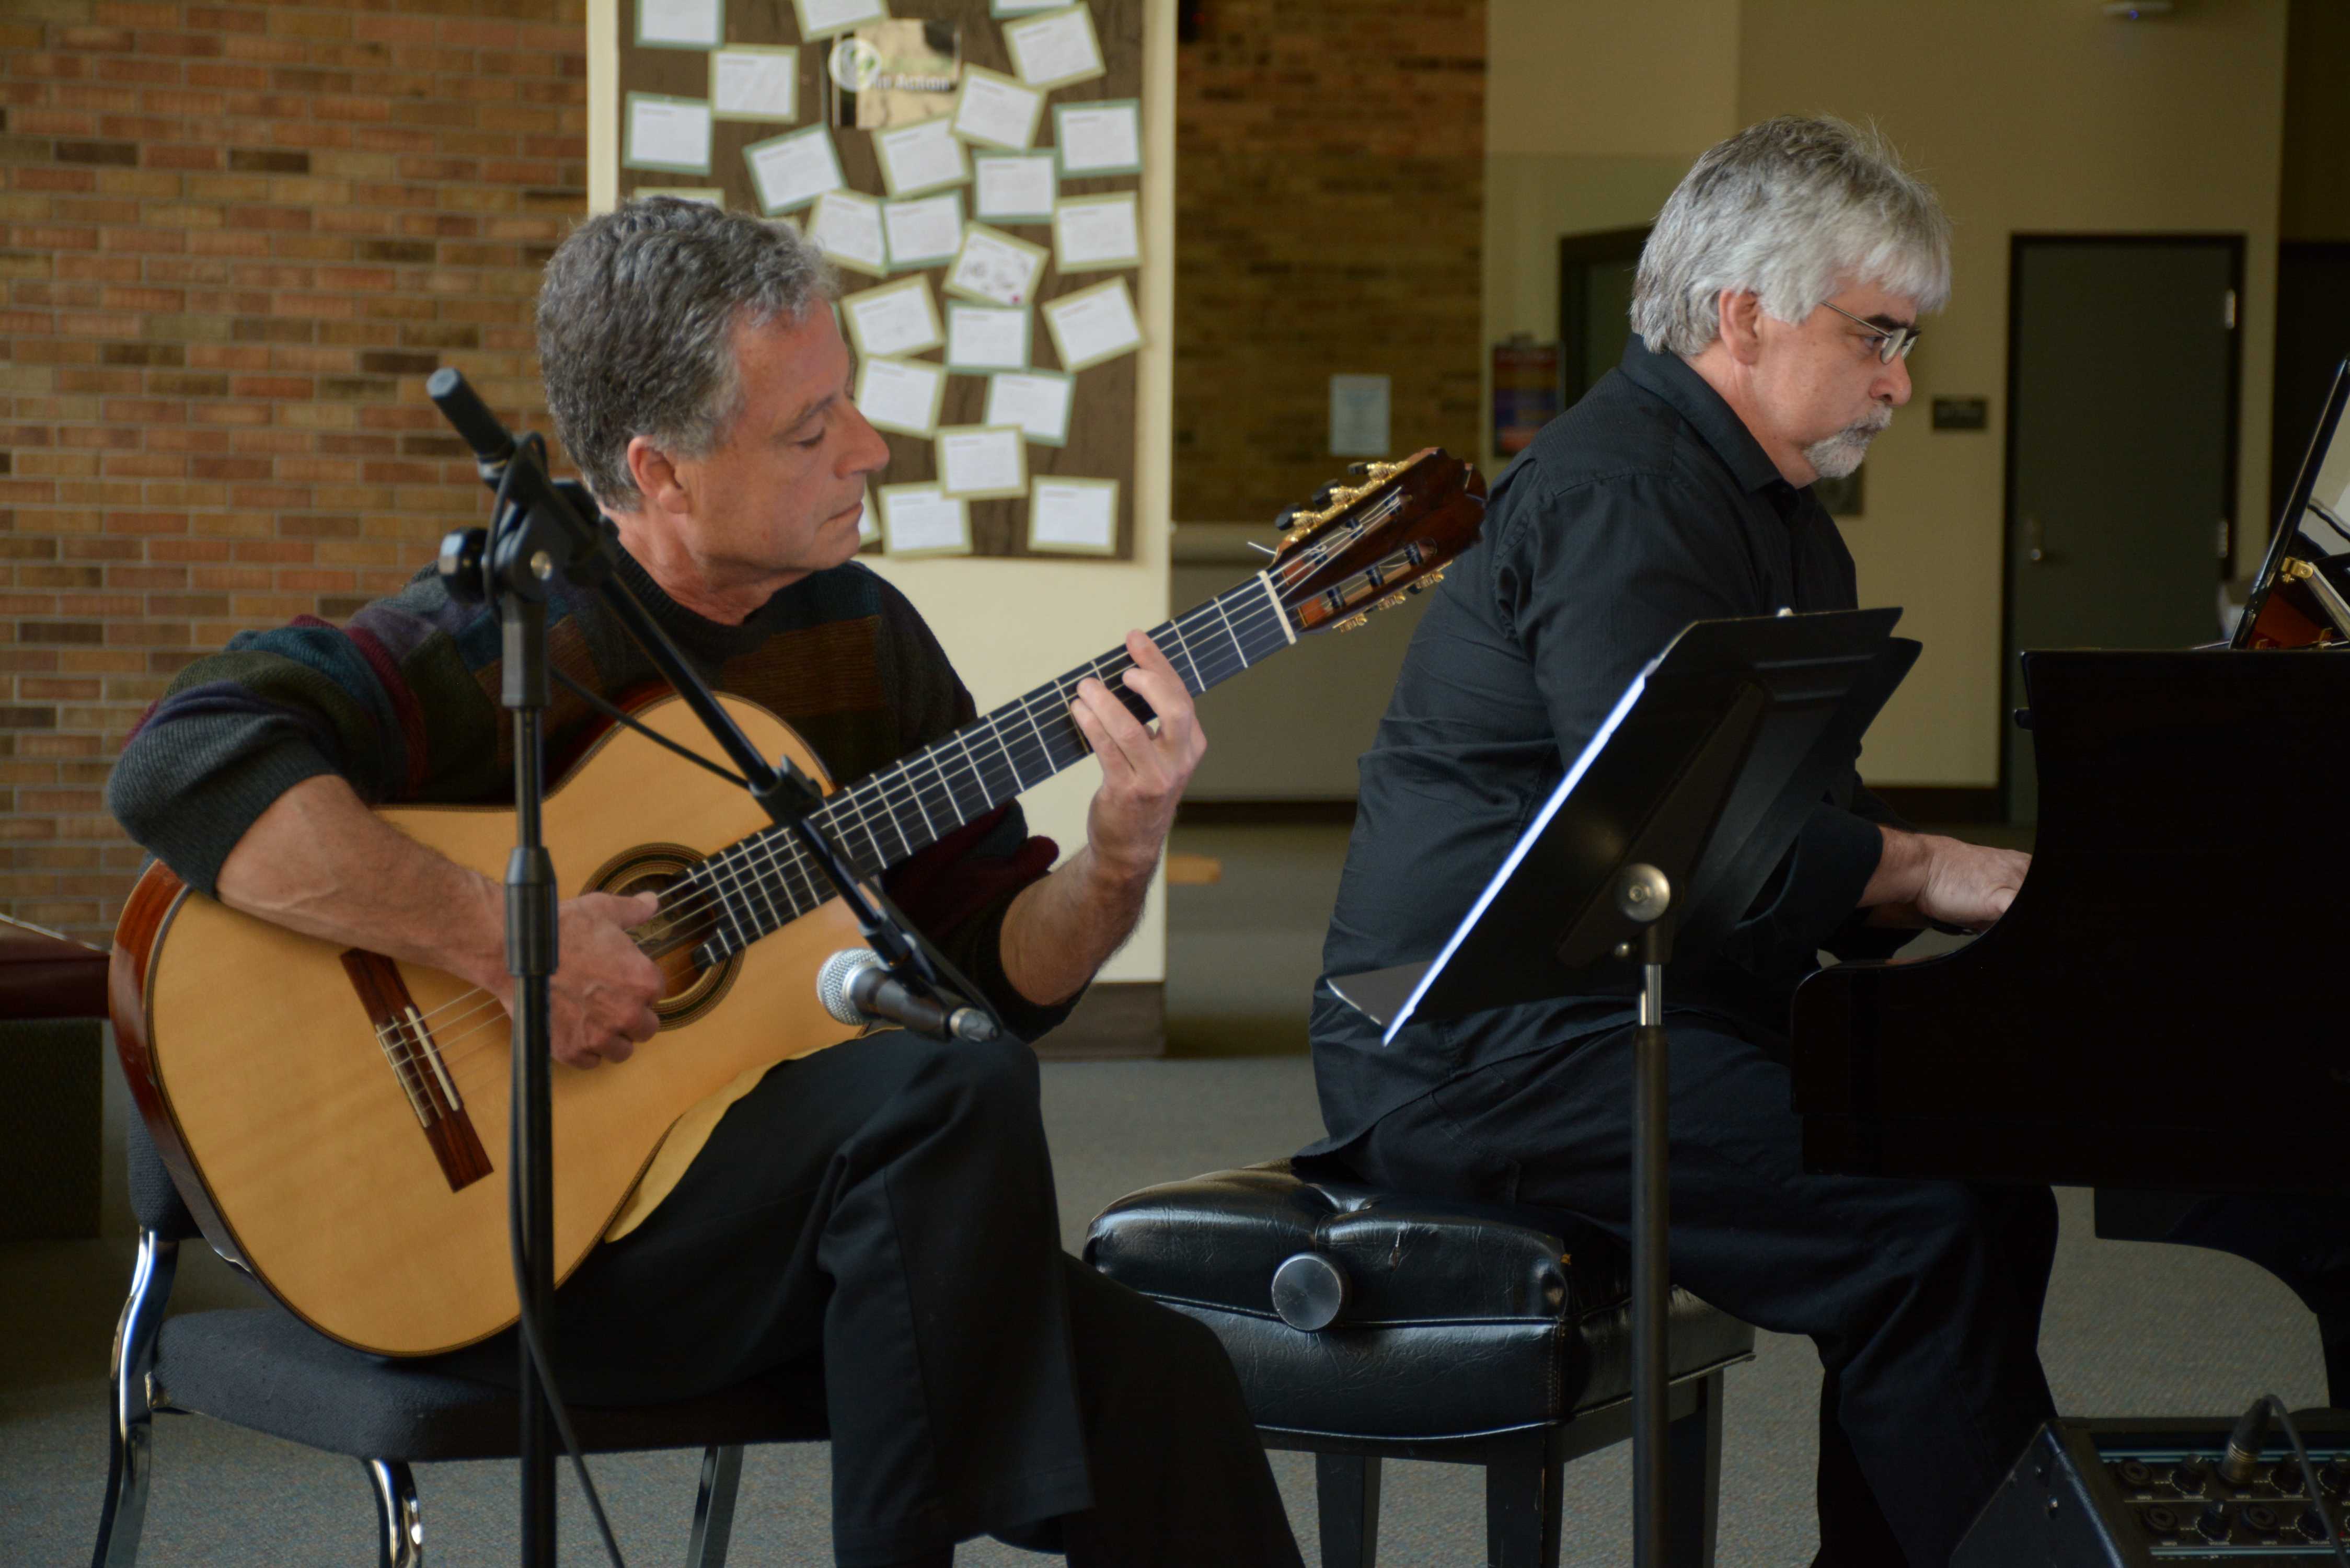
(1776,300)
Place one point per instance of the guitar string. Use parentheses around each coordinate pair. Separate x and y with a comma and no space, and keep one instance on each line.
(879,791)
(759,854)
(760,848)
(760,860)
(885,794)
(934,772)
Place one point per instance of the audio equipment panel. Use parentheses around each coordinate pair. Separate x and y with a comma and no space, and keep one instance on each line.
(2132,1492)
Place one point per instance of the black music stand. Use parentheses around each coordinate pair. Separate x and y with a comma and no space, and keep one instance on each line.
(1660,837)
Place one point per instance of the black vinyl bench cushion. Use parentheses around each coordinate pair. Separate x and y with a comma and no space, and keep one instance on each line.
(1461,1318)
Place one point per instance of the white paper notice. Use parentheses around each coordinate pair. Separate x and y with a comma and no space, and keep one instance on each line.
(1358,416)
(981,462)
(997,267)
(920,519)
(996,111)
(755,84)
(670,133)
(679,23)
(1057,49)
(1038,402)
(1073,514)
(820,17)
(792,170)
(980,338)
(1097,231)
(1024,7)
(846,227)
(1099,138)
(900,394)
(920,157)
(924,232)
(1018,188)
(898,318)
(1093,324)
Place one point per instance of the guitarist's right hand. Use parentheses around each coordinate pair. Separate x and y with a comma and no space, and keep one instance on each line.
(605,987)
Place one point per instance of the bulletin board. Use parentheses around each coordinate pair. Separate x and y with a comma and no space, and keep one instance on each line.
(1063,504)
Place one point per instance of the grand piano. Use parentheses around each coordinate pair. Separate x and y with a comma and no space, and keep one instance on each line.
(2161,1007)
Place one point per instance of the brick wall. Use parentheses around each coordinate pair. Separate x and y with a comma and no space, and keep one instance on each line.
(1329,214)
(237,239)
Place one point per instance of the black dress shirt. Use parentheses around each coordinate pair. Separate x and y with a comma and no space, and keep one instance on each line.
(1646,506)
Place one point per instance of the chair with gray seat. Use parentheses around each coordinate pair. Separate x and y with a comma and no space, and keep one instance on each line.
(261,1368)
(1368,1325)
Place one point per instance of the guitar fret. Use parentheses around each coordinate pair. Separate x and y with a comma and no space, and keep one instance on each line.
(1183,646)
(766,894)
(1043,744)
(1237,649)
(727,902)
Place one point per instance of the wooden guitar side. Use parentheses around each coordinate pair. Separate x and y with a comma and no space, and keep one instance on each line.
(255,1064)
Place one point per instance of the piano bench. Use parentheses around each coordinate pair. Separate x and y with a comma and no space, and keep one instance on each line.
(1368,1325)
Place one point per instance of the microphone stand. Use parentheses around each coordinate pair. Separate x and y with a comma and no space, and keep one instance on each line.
(541,531)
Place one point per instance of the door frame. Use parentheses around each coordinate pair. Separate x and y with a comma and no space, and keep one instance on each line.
(2011,680)
(1577,252)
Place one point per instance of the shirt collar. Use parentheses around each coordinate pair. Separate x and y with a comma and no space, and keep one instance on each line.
(1669,377)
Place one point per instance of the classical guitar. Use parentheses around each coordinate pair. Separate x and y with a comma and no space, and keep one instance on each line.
(330,1115)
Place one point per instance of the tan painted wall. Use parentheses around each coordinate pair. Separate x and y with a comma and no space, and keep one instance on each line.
(1593,113)
(1010,624)
(2028,117)
(2316,204)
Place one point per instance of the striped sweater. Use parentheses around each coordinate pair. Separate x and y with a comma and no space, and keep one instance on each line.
(404,703)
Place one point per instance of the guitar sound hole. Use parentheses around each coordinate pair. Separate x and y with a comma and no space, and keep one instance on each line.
(672,936)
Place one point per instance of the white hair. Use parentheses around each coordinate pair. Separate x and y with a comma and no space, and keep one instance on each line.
(1790,210)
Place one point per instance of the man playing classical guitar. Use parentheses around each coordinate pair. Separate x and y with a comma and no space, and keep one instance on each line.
(886,1205)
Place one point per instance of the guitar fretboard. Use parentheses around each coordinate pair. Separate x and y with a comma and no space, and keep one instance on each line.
(767,881)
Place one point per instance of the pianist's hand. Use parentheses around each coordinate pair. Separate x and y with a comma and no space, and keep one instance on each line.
(1923,878)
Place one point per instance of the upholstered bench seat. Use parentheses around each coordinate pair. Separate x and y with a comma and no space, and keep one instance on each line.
(1366,1323)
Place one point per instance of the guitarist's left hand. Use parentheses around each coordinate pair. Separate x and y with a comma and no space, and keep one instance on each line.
(1058,930)
(1143,771)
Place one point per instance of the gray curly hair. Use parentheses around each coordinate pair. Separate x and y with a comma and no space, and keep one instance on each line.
(635,320)
(1790,210)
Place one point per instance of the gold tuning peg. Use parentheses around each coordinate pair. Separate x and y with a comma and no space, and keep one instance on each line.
(1392,600)
(1352,622)
(1421,585)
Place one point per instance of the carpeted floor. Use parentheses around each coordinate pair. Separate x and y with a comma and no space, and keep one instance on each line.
(2132,1329)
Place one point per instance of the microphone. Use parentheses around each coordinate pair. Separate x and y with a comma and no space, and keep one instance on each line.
(493,448)
(857,990)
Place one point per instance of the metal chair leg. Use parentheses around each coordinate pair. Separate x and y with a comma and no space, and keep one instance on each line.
(1693,1483)
(130,1436)
(1347,1495)
(400,1528)
(713,1507)
(1522,1500)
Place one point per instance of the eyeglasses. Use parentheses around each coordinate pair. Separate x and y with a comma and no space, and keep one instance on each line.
(1892,342)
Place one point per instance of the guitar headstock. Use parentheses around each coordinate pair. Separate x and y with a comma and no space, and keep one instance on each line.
(1363,546)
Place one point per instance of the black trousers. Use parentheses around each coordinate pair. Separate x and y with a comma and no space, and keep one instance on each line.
(1924,1298)
(886,1207)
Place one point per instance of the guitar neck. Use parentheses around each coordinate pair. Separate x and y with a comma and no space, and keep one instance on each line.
(765,881)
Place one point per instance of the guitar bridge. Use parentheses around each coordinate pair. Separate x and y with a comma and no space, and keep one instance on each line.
(414,1059)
